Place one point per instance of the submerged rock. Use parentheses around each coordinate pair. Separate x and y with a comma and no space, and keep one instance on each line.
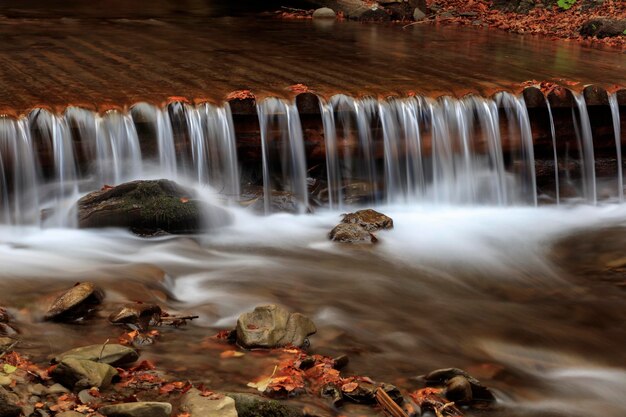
(217,405)
(114,354)
(140,314)
(418,14)
(351,233)
(272,326)
(75,303)
(148,207)
(369,219)
(138,409)
(324,13)
(80,373)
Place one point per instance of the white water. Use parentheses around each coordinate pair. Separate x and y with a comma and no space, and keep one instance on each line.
(618,144)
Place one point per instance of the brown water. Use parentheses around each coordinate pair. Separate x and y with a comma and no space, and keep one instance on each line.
(54,61)
(484,289)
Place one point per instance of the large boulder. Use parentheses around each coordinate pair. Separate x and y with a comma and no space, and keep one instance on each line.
(149,207)
(113,354)
(80,374)
(216,405)
(271,326)
(75,303)
(138,409)
(369,219)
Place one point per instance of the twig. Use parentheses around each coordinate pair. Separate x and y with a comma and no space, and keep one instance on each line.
(426,20)
(388,405)
(174,318)
(292,9)
(8,348)
(102,350)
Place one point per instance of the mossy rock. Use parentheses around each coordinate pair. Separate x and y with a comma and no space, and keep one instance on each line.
(250,405)
(148,207)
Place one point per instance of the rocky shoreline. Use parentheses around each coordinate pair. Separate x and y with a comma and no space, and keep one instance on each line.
(111,379)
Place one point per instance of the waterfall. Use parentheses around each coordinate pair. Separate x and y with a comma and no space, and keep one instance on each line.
(412,150)
(584,137)
(554,150)
(618,144)
(282,138)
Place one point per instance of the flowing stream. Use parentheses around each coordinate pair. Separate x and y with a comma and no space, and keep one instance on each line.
(476,274)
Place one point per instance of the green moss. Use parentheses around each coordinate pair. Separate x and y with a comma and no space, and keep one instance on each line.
(265,409)
(161,206)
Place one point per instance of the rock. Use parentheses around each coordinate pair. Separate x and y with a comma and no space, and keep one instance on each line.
(324,13)
(140,314)
(7,330)
(442,377)
(113,354)
(75,303)
(80,373)
(459,390)
(217,405)
(272,326)
(351,233)
(57,389)
(138,409)
(250,405)
(8,407)
(280,201)
(418,14)
(148,207)
(375,15)
(7,342)
(369,219)
(604,28)
(4,315)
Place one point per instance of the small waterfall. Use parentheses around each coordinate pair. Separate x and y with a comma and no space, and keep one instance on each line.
(618,144)
(411,150)
(584,137)
(556,158)
(520,132)
(282,139)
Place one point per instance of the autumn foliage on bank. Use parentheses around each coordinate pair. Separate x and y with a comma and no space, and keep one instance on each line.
(545,20)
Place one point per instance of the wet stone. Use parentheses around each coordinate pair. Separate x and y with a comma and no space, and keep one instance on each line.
(140,314)
(8,407)
(70,414)
(138,409)
(250,405)
(351,233)
(75,303)
(324,13)
(217,405)
(272,326)
(369,219)
(113,354)
(442,377)
(459,390)
(80,374)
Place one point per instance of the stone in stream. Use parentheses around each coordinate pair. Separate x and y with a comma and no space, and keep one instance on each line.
(445,377)
(251,405)
(271,326)
(138,313)
(113,354)
(418,14)
(459,390)
(216,405)
(79,374)
(369,219)
(365,393)
(149,207)
(351,233)
(324,13)
(138,409)
(8,406)
(604,28)
(75,303)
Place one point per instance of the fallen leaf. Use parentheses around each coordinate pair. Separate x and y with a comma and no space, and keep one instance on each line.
(263,383)
(231,354)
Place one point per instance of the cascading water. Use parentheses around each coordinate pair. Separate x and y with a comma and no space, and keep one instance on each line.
(281,138)
(584,137)
(618,144)
(557,189)
(406,150)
